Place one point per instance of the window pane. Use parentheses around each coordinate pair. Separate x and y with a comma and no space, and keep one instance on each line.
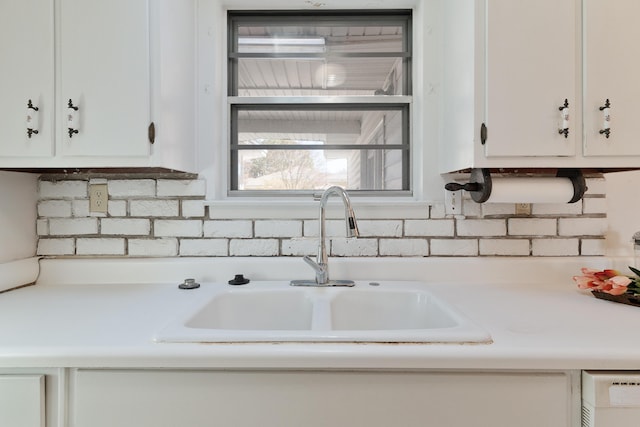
(349,53)
(319,98)
(273,36)
(320,77)
(319,169)
(321,125)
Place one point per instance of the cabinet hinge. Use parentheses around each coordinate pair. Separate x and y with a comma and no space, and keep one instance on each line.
(483,134)
(152,133)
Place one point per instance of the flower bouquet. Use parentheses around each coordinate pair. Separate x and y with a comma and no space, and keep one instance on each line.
(611,285)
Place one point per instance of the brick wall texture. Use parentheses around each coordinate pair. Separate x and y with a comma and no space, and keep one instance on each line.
(168,218)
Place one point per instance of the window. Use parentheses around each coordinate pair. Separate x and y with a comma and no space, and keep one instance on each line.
(319,99)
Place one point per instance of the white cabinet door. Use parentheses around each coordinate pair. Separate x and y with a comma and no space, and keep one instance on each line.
(531,68)
(319,399)
(612,61)
(26,71)
(104,71)
(22,401)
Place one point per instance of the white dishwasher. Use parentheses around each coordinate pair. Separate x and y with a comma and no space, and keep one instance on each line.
(610,398)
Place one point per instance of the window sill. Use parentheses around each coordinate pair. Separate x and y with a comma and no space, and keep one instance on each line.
(258,208)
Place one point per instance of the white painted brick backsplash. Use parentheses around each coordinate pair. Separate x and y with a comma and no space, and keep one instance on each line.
(125,226)
(80,208)
(471,208)
(153,247)
(498,209)
(42,227)
(557,208)
(180,188)
(454,247)
(432,227)
(71,227)
(120,188)
(204,247)
(404,247)
(511,247)
(63,189)
(154,208)
(254,247)
(582,226)
(192,208)
(54,208)
(596,186)
(100,246)
(380,228)
(228,228)
(300,246)
(56,247)
(532,226)
(333,228)
(278,228)
(166,217)
(593,247)
(481,227)
(354,247)
(117,207)
(594,205)
(177,228)
(555,247)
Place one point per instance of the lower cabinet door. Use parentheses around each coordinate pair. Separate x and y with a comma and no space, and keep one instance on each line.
(106,398)
(22,401)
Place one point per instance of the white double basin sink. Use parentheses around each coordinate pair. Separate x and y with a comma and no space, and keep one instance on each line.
(369,312)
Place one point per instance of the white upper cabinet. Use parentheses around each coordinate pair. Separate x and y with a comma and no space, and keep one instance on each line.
(510,66)
(104,73)
(26,71)
(530,70)
(612,61)
(123,76)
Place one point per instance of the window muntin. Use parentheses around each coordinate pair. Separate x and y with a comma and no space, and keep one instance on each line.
(324,97)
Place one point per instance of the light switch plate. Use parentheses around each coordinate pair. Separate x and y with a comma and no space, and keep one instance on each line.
(453,202)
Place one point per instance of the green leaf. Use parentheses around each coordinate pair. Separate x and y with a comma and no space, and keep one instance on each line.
(635,271)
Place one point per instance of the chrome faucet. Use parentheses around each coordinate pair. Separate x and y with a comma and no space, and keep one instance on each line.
(321,264)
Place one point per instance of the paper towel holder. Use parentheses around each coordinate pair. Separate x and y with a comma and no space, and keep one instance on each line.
(480,184)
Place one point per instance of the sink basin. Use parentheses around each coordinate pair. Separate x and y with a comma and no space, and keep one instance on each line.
(258,310)
(389,310)
(276,312)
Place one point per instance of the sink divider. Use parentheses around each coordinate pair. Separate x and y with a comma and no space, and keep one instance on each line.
(321,315)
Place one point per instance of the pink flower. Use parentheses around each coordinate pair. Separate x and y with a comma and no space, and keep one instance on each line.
(608,281)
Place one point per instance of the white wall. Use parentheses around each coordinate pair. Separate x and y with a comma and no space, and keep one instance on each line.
(623,211)
(18,198)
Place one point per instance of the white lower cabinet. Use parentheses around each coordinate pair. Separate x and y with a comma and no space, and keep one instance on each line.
(167,398)
(22,400)
(32,397)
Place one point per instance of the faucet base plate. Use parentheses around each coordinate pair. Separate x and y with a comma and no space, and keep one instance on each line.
(330,283)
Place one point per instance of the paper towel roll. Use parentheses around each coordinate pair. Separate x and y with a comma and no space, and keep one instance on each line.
(531,190)
(18,273)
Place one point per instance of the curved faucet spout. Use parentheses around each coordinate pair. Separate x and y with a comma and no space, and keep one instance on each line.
(320,265)
(349,215)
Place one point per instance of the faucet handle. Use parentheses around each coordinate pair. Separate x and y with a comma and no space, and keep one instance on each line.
(317,267)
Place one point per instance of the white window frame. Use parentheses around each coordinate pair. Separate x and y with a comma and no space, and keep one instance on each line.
(398,104)
(213,129)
